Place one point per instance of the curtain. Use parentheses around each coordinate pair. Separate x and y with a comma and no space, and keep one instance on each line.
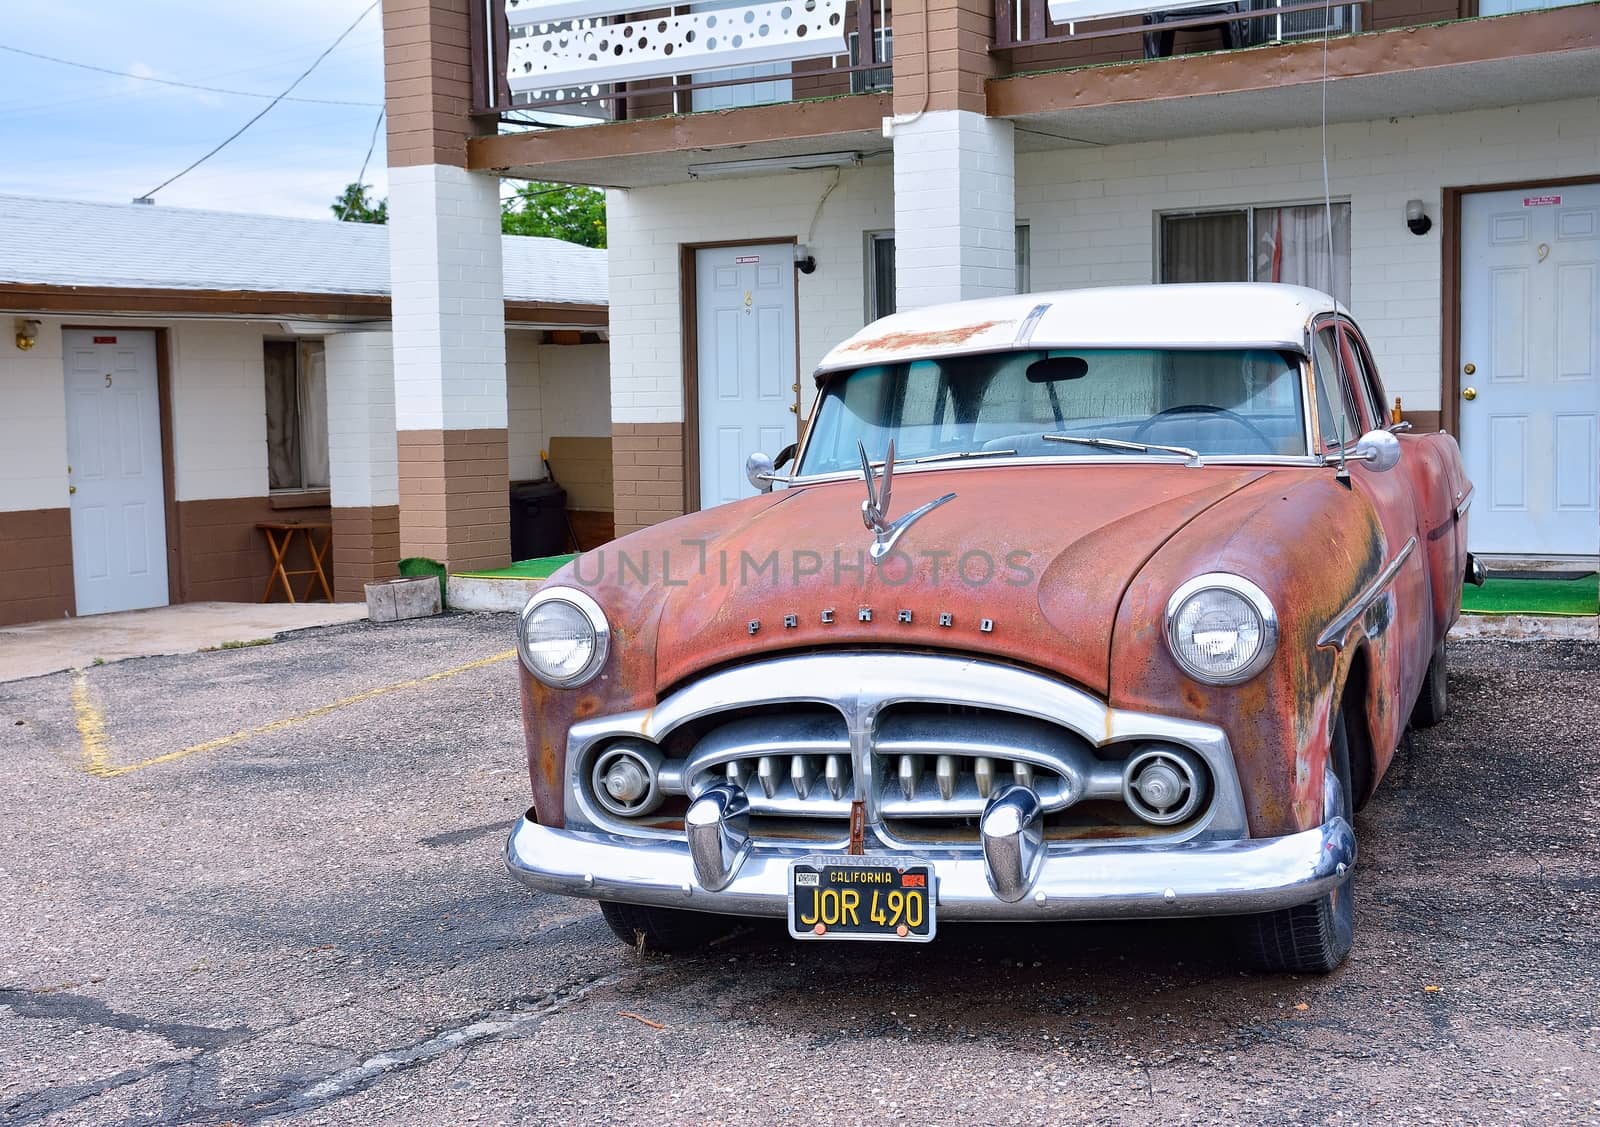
(1205,248)
(1292,247)
(283,415)
(313,402)
(882,276)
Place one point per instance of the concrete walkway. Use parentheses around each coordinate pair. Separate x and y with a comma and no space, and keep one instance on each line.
(74,643)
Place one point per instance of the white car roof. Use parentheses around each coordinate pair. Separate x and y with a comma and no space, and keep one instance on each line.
(1211,315)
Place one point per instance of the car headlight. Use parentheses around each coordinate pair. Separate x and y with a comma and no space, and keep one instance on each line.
(563,637)
(1221,628)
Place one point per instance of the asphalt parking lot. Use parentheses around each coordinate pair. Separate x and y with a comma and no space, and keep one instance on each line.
(266,884)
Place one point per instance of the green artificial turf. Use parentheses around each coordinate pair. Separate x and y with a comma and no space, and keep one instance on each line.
(1533,596)
(542,568)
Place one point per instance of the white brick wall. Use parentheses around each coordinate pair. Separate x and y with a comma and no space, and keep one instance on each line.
(646,227)
(955,224)
(1092,212)
(449,305)
(362,462)
(219,409)
(33,421)
(553,390)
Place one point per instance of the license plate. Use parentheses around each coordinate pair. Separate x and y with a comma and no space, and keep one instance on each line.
(845,897)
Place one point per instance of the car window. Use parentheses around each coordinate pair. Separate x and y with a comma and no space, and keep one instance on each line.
(1335,415)
(1241,402)
(1364,376)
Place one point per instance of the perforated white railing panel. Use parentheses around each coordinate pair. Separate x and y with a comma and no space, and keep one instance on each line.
(582,51)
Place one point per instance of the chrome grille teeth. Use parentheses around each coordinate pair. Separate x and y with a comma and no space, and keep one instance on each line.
(983,772)
(910,775)
(945,769)
(738,772)
(1023,773)
(802,771)
(767,773)
(833,771)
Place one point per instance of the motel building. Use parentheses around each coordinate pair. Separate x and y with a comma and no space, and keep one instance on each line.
(171,380)
(779,174)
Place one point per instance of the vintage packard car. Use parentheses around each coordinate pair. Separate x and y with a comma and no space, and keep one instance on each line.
(1083,605)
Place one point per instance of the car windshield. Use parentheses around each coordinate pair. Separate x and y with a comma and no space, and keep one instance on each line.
(1034,403)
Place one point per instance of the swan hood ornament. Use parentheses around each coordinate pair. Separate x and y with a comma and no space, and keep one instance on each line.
(875,509)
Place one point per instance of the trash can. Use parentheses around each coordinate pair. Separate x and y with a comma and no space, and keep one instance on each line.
(538,519)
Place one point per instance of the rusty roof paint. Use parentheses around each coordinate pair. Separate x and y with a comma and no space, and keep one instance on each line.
(908,341)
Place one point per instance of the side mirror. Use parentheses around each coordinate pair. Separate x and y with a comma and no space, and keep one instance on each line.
(758,468)
(1380,449)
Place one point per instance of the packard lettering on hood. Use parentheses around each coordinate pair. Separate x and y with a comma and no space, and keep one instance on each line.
(1127,623)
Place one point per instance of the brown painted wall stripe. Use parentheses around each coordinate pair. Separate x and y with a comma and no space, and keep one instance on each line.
(225,557)
(366,547)
(454,500)
(36,560)
(427,74)
(647,467)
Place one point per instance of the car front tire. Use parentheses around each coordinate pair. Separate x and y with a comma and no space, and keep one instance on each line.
(669,930)
(1311,938)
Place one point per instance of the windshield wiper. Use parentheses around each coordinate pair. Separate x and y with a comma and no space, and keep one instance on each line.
(1119,444)
(956,454)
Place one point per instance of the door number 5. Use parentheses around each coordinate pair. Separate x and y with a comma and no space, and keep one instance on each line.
(108,379)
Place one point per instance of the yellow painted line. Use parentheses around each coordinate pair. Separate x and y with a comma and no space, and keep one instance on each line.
(97,752)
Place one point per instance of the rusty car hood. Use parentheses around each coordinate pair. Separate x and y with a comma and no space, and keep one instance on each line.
(1026,563)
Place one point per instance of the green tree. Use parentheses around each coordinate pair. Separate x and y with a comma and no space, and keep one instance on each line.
(556,211)
(353,206)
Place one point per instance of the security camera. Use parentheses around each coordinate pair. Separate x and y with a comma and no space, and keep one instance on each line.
(803,259)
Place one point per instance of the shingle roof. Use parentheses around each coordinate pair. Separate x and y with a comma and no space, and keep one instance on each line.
(76,243)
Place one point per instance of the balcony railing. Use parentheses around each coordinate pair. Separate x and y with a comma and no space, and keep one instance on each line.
(863,67)
(1025,32)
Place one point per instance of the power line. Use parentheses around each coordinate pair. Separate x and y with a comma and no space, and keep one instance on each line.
(266,109)
(184,85)
(372,144)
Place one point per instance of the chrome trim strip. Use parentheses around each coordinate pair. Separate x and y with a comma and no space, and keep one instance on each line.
(1466,502)
(1073,881)
(834,678)
(1335,632)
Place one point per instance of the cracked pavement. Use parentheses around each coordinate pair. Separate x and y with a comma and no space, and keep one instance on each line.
(314,925)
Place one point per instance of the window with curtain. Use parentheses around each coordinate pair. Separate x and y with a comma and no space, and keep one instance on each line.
(297,414)
(1260,244)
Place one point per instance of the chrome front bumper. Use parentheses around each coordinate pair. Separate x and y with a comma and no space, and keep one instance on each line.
(1187,878)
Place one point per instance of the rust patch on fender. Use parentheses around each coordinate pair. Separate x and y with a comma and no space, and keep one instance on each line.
(932,338)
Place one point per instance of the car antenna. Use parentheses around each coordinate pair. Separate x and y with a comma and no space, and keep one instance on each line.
(1343,475)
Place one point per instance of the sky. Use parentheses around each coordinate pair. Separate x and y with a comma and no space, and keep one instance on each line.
(66,132)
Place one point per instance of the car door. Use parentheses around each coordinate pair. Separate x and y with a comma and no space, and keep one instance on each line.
(1430,464)
(1400,624)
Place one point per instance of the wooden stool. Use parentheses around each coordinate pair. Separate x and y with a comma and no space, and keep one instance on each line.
(280,548)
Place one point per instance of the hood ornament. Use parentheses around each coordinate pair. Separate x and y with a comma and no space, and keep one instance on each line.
(875,509)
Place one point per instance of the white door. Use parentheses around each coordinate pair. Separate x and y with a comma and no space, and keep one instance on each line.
(744,299)
(1530,330)
(119,527)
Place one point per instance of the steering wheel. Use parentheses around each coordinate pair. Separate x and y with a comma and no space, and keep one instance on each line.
(1244,424)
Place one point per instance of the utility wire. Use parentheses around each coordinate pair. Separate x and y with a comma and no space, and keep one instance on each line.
(372,144)
(181,85)
(267,108)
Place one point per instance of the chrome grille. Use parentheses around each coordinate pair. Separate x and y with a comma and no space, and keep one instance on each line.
(805,735)
(791,764)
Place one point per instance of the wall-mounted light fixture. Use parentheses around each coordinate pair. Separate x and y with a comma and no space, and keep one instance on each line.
(27,334)
(1417,219)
